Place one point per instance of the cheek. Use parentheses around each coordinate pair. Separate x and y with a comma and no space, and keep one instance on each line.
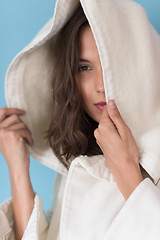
(86,90)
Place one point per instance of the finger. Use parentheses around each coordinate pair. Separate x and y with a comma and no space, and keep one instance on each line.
(99,145)
(19,126)
(9,121)
(5,112)
(96,133)
(105,117)
(104,113)
(116,117)
(25,134)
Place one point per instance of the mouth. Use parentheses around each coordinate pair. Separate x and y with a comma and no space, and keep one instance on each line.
(100,105)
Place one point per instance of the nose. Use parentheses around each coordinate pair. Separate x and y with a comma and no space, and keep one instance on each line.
(99,82)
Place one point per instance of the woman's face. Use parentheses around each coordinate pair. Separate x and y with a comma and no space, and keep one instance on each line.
(89,75)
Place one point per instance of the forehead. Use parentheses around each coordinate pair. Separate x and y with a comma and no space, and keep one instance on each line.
(87,41)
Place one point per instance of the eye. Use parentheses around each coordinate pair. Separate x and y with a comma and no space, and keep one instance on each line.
(83,68)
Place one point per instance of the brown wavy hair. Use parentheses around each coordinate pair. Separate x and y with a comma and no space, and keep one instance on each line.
(70,133)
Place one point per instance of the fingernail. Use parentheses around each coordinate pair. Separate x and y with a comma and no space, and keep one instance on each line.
(112,104)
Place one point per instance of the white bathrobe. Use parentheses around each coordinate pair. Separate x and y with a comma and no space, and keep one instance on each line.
(87,203)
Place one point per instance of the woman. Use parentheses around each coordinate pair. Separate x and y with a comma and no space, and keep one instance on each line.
(95,152)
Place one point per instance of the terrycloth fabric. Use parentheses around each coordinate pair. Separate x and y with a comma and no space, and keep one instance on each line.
(91,206)
(129,50)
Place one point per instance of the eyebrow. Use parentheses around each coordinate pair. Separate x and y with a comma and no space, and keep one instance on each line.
(83,60)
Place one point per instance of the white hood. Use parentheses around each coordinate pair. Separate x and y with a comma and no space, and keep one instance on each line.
(129,50)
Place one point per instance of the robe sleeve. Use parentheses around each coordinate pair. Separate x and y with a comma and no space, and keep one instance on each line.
(37,226)
(139,218)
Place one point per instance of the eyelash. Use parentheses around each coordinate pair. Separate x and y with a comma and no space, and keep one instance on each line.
(82,67)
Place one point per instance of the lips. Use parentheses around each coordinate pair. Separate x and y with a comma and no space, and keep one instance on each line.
(100,105)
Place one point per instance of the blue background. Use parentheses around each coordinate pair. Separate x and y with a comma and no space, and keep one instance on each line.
(19,22)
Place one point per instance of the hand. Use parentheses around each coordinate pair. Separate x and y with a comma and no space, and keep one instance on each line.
(13,135)
(120,150)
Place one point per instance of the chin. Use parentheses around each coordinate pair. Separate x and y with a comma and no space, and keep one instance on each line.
(93,115)
(96,119)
